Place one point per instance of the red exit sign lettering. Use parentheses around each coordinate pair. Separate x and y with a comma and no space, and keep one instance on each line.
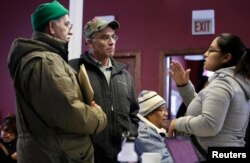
(201,27)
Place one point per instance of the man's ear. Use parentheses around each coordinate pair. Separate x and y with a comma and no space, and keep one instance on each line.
(227,58)
(89,43)
(51,28)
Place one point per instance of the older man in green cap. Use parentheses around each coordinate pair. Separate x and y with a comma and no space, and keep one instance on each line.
(54,125)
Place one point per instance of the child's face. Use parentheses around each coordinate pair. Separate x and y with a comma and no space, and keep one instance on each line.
(7,135)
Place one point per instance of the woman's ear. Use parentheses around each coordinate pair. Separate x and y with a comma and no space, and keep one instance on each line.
(227,58)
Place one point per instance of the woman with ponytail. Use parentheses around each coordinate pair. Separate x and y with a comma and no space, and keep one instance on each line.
(218,115)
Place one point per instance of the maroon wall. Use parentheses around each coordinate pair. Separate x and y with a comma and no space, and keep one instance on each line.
(15,22)
(146,25)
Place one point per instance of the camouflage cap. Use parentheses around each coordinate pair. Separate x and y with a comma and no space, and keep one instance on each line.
(97,24)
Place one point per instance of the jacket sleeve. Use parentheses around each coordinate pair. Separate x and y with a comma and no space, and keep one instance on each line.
(134,108)
(187,93)
(216,98)
(55,96)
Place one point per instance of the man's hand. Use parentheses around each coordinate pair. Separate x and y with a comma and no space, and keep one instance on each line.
(95,106)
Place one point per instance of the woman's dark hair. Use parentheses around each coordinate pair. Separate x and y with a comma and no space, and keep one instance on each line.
(229,43)
(9,124)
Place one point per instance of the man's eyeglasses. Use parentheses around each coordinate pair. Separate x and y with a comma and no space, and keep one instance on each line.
(69,26)
(107,38)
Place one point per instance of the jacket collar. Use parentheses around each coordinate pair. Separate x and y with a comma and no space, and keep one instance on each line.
(99,64)
(57,45)
(116,66)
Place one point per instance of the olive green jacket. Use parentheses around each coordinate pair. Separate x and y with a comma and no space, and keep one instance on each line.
(54,125)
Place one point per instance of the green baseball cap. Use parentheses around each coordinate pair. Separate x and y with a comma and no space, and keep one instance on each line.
(97,24)
(45,13)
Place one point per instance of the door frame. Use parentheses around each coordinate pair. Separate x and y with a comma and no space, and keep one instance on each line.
(168,53)
(136,55)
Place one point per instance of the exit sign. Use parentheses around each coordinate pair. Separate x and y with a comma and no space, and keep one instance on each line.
(203,22)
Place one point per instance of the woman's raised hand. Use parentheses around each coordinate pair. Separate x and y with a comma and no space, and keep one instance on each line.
(178,74)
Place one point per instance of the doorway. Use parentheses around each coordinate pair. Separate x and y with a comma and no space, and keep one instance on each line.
(189,58)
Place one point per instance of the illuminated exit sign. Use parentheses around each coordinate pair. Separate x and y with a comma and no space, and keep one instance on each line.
(203,22)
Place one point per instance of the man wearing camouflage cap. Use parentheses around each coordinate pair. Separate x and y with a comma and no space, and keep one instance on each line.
(113,87)
(54,125)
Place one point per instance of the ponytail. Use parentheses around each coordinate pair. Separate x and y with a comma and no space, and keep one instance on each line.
(243,65)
